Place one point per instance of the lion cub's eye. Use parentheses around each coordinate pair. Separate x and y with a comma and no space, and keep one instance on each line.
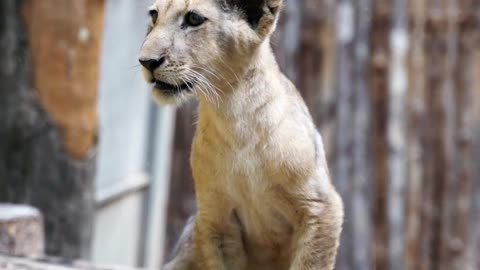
(154,15)
(194,19)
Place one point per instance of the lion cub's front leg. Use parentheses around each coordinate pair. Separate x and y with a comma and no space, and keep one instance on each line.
(208,239)
(195,252)
(217,235)
(318,237)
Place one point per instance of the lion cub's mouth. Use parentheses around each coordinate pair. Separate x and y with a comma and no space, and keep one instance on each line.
(171,88)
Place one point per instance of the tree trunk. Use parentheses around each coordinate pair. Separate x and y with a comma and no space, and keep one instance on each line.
(48,78)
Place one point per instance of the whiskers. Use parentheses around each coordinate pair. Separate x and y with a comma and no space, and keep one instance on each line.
(205,86)
(209,89)
(216,75)
(225,65)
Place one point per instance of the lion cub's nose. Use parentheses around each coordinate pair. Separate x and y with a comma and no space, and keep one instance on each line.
(151,64)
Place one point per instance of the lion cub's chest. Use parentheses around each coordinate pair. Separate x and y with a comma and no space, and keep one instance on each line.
(266,228)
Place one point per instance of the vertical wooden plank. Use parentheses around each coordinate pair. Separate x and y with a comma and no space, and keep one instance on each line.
(416,117)
(441,58)
(474,242)
(427,205)
(449,91)
(343,165)
(324,110)
(461,187)
(361,184)
(474,245)
(396,133)
(476,93)
(379,70)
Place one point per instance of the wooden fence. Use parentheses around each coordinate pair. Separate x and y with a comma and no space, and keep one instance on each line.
(394,87)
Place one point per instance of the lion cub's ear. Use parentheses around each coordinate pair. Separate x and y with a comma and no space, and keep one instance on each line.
(261,15)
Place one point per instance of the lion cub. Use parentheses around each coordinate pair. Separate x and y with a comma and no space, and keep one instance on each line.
(263,192)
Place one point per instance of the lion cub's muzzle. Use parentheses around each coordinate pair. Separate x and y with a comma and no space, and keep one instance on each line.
(153,64)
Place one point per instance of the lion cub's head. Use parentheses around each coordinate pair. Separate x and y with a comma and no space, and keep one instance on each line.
(199,46)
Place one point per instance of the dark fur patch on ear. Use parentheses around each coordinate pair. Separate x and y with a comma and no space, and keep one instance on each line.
(252,9)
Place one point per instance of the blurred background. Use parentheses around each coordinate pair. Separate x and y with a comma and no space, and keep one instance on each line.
(393,85)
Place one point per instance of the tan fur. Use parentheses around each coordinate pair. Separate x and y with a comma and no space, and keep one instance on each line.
(264,196)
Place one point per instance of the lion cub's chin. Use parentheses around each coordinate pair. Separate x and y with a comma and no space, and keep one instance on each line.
(167,97)
(176,99)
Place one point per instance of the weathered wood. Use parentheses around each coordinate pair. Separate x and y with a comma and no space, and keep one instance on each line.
(474,241)
(415,124)
(436,87)
(449,91)
(459,190)
(397,133)
(343,165)
(379,71)
(362,230)
(21,230)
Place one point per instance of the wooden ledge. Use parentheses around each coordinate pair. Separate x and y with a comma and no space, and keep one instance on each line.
(21,231)
(17,263)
